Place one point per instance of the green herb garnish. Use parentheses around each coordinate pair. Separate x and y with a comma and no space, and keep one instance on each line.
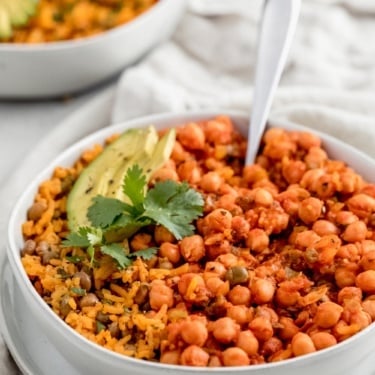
(171,204)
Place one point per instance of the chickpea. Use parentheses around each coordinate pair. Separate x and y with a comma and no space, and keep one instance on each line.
(228,260)
(286,298)
(345,218)
(323,340)
(248,342)
(306,238)
(178,153)
(262,290)
(165,264)
(214,361)
(194,356)
(89,299)
(240,228)
(367,261)
(141,241)
(160,294)
(235,357)
(310,209)
(211,182)
(324,227)
(354,232)
(344,277)
(369,307)
(257,240)
(170,251)
(215,267)
(219,132)
(186,279)
(288,328)
(194,332)
(254,173)
(225,330)
(293,171)
(366,281)
(171,357)
(261,327)
(315,158)
(189,171)
(362,205)
(162,234)
(36,211)
(192,248)
(164,174)
(217,286)
(191,136)
(268,313)
(239,295)
(239,313)
(218,220)
(262,197)
(302,344)
(307,140)
(327,314)
(350,293)
(271,346)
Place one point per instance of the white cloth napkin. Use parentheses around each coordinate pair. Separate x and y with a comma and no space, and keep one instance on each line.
(328,83)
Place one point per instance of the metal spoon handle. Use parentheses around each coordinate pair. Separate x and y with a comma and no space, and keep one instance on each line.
(277,28)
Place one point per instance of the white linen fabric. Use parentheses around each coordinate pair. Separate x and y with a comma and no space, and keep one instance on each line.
(328,83)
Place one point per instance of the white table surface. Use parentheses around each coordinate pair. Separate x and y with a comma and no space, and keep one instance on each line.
(22,125)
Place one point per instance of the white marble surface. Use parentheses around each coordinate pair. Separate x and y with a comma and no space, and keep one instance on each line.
(22,126)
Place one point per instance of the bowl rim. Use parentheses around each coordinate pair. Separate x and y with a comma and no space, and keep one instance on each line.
(138,21)
(99,136)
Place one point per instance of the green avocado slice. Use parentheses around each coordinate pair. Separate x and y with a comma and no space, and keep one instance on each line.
(105,175)
(15,13)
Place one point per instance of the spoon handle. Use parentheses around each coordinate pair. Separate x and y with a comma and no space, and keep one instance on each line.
(276,32)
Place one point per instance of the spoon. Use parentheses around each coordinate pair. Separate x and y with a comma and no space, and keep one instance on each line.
(277,28)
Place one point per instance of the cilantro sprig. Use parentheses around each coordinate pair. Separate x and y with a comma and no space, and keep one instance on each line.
(170,204)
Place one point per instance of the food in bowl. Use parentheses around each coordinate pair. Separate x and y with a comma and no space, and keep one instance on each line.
(58,20)
(62,68)
(278,263)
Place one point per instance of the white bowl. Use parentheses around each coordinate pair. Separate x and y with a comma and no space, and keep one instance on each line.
(352,356)
(62,68)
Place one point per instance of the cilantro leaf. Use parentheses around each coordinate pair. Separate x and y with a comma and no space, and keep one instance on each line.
(104,211)
(171,204)
(95,236)
(74,258)
(134,186)
(117,252)
(78,239)
(145,254)
(174,206)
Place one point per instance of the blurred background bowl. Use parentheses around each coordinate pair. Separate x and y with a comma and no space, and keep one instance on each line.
(34,71)
(352,356)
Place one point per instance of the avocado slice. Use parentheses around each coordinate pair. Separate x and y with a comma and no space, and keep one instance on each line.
(105,175)
(15,13)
